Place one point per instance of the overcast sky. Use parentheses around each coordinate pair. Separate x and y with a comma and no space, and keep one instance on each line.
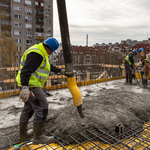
(105,21)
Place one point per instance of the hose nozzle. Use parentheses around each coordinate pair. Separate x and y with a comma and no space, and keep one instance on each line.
(79,108)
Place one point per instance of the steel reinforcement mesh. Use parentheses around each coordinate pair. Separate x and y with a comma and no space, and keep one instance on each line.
(94,138)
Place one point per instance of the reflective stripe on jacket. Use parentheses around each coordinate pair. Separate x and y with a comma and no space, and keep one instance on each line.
(146,59)
(128,60)
(39,77)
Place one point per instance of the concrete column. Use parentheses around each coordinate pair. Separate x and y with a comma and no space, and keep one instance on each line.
(78,79)
(88,76)
(123,72)
(48,83)
(105,75)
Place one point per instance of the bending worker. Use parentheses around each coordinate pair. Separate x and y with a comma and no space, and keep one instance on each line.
(129,66)
(33,73)
(145,66)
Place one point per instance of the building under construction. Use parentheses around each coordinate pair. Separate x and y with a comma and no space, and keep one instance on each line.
(116,116)
(91,109)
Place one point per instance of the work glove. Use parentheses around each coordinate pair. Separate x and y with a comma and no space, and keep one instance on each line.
(25,93)
(139,63)
(63,71)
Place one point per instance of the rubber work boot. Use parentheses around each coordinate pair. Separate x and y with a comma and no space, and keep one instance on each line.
(24,135)
(144,83)
(126,80)
(39,137)
(130,80)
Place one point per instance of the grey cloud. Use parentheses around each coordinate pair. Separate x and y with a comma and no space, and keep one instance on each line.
(129,21)
(107,34)
(89,1)
(145,4)
(128,8)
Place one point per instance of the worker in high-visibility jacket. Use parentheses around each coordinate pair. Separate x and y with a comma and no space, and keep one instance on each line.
(32,75)
(129,66)
(145,66)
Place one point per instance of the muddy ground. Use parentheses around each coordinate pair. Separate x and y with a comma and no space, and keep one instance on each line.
(104,106)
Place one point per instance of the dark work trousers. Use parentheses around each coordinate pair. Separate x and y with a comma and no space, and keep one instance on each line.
(145,72)
(37,104)
(128,72)
(44,89)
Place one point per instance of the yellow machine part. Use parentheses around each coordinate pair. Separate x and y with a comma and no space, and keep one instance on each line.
(74,90)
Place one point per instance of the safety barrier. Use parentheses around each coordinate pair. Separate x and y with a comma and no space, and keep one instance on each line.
(4,94)
(95,73)
(85,74)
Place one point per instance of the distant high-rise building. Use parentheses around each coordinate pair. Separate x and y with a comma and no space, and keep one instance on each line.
(29,22)
(134,42)
(129,41)
(123,42)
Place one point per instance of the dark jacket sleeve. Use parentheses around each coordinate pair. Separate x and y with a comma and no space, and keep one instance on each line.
(131,58)
(32,62)
(55,69)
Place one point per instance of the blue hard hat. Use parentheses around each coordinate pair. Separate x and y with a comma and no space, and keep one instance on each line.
(52,43)
(141,49)
(134,51)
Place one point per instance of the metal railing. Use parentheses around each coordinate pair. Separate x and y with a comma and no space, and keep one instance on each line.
(83,73)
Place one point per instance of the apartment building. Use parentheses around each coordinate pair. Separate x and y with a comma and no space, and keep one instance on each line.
(29,22)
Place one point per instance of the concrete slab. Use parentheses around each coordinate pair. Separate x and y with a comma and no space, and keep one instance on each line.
(104,105)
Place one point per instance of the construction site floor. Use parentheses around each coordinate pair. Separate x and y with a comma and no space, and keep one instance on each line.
(105,106)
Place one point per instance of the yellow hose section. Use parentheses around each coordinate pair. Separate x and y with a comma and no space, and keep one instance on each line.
(138,75)
(74,90)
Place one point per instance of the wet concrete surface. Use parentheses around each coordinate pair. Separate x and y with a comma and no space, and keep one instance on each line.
(104,106)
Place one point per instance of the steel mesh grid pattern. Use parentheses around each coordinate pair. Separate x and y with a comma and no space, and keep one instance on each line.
(93,139)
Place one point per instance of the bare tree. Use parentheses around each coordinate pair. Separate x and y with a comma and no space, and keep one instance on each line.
(8,50)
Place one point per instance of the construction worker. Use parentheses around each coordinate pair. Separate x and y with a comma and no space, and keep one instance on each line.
(145,66)
(129,66)
(32,75)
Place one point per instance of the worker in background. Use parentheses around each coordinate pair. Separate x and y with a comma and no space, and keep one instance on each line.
(129,66)
(32,75)
(145,66)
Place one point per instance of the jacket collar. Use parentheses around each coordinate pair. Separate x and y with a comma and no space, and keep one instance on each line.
(41,47)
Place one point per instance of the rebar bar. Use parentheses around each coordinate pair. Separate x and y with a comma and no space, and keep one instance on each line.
(94,138)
